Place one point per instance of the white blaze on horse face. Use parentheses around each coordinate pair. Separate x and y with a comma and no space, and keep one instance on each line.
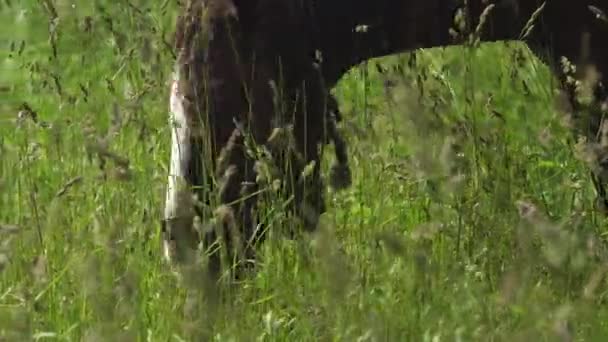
(178,201)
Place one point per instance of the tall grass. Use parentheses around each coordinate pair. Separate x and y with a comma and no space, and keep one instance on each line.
(471,216)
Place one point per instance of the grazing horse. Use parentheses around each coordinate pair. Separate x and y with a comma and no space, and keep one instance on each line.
(258,73)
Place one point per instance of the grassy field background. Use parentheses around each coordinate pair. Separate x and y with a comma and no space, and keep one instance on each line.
(471,216)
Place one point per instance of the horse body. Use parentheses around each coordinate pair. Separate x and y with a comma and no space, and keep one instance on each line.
(247,67)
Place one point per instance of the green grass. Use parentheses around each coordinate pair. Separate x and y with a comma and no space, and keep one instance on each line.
(470,216)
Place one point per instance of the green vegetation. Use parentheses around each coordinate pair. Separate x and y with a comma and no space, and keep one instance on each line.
(471,216)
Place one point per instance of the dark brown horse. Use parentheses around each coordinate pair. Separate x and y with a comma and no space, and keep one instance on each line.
(249,72)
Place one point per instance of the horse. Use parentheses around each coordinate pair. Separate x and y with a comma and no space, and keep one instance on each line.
(259,73)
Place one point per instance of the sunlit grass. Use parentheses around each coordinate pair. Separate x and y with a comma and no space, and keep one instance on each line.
(469,218)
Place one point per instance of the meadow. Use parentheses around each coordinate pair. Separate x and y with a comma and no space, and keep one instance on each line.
(471,217)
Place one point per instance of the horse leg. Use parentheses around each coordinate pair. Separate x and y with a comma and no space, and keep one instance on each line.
(212,99)
(179,237)
(310,133)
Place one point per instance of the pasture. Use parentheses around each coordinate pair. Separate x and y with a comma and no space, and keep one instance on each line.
(471,215)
